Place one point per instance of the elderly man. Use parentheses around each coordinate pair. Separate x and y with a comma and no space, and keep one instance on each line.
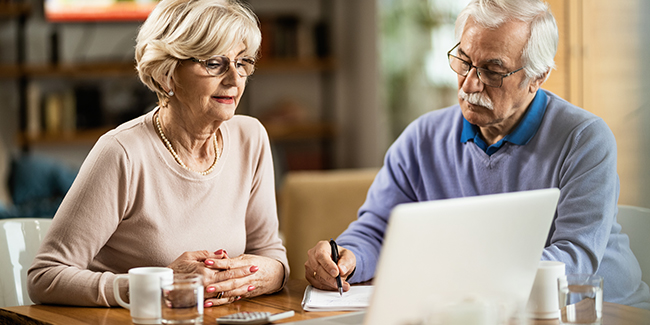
(506,134)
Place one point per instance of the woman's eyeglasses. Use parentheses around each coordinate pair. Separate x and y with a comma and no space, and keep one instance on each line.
(219,64)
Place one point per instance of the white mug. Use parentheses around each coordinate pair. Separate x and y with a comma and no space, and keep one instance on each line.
(543,302)
(144,292)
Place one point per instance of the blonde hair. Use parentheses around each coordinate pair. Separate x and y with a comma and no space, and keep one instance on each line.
(178,30)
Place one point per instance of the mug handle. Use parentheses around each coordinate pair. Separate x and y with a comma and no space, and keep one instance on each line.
(116,290)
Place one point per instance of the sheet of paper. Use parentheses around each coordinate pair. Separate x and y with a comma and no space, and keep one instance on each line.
(357,298)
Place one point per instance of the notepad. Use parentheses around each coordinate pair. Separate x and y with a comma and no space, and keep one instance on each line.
(357,298)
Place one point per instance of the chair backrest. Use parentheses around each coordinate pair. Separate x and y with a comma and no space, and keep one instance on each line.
(319,205)
(19,241)
(636,224)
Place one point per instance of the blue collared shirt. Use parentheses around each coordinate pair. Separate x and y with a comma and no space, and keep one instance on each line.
(521,134)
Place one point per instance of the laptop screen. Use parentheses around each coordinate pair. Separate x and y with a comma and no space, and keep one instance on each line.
(474,249)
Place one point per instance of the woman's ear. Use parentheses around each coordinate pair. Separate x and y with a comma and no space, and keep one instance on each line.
(168,87)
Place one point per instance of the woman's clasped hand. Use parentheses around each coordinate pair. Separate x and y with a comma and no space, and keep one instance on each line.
(228,279)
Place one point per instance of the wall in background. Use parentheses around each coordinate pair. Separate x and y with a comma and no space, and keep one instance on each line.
(600,67)
(644,111)
(360,114)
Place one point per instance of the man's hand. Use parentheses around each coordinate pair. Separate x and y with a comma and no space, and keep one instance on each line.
(321,271)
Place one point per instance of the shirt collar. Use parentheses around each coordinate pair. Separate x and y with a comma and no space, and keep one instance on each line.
(521,135)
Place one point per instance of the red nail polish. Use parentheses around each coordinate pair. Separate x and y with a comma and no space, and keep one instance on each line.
(238,297)
(207,304)
(251,288)
(218,252)
(209,262)
(210,289)
(254,268)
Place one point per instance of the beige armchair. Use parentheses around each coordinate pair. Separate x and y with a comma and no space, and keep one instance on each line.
(319,205)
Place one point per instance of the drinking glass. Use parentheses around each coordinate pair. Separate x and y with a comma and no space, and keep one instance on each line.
(182,300)
(581,299)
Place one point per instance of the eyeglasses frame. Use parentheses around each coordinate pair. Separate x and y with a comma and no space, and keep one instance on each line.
(205,64)
(478,69)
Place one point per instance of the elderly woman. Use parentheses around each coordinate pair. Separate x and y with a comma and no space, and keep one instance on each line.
(188,185)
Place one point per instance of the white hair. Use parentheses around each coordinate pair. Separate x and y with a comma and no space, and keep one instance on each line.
(541,47)
(178,30)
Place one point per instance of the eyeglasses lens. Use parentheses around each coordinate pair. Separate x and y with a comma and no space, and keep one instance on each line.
(218,65)
(462,68)
(459,66)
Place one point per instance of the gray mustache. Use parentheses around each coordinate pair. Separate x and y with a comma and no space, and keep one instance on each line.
(479,99)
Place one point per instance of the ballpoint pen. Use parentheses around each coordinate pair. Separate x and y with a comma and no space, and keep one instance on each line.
(335,258)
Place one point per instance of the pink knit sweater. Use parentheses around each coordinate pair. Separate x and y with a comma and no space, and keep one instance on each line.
(132,205)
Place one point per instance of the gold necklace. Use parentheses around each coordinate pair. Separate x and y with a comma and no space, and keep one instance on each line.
(178,159)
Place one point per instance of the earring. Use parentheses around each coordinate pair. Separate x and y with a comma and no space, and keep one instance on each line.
(170,93)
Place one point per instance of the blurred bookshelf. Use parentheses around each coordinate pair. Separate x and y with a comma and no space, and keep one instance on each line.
(74,113)
(77,70)
(13,9)
(62,135)
(109,69)
(88,136)
(278,132)
(280,65)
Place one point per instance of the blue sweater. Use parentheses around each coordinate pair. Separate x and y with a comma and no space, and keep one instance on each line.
(572,150)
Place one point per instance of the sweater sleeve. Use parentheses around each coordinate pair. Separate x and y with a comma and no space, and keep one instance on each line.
(396,183)
(589,193)
(86,219)
(262,237)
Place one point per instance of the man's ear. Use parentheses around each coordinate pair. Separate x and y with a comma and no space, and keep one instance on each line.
(534,85)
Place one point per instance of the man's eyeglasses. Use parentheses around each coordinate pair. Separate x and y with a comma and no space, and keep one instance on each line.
(488,77)
(219,64)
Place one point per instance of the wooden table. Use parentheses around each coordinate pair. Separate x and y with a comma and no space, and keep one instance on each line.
(288,299)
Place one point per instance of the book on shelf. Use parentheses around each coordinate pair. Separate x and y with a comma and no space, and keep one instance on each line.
(33,126)
(60,112)
(57,112)
(289,36)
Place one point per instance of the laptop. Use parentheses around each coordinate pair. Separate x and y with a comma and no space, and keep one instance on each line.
(473,249)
